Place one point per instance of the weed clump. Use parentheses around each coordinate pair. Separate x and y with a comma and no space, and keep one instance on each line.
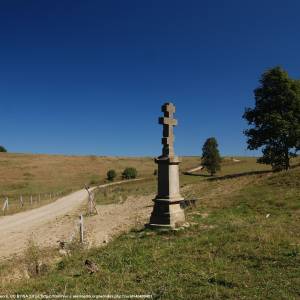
(33,259)
(129,173)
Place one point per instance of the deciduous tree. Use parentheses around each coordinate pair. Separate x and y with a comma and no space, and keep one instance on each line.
(275,119)
(2,149)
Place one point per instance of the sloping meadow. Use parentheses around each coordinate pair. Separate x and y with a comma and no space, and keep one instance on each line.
(242,244)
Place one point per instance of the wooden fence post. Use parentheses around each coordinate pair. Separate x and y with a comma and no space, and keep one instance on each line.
(5,205)
(81,228)
(91,203)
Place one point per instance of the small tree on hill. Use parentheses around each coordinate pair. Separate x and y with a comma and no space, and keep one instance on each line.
(2,149)
(210,156)
(275,119)
(129,173)
(111,175)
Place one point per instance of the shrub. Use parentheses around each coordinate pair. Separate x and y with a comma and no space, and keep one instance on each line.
(111,175)
(2,149)
(129,173)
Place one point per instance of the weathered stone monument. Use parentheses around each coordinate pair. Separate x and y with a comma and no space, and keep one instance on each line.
(167,212)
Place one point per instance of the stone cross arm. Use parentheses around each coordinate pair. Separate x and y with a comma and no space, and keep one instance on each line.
(167,121)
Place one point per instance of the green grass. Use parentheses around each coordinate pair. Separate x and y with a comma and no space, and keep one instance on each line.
(120,193)
(247,247)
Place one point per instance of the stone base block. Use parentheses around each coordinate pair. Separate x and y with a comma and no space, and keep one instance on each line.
(166,214)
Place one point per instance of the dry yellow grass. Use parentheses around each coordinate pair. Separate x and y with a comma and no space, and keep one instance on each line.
(32,174)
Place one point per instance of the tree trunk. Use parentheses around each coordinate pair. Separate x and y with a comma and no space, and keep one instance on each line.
(287,159)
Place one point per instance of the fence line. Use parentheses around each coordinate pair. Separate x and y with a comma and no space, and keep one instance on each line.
(31,199)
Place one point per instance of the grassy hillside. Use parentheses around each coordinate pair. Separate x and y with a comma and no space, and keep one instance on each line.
(239,167)
(42,175)
(25,173)
(32,174)
(28,174)
(243,244)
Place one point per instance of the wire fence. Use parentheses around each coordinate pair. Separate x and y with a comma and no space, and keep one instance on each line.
(16,203)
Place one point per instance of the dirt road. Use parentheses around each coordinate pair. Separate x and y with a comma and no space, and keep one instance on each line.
(59,221)
(199,168)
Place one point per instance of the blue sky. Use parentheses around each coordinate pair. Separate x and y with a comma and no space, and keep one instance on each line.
(89,77)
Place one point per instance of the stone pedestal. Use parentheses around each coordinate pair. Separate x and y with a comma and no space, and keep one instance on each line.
(167,212)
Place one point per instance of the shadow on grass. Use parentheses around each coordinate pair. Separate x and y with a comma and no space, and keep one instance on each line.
(229,176)
(236,175)
(194,174)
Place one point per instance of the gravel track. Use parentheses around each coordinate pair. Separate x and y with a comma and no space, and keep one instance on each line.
(58,221)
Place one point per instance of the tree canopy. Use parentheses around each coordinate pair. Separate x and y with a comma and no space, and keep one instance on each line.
(210,156)
(275,119)
(2,149)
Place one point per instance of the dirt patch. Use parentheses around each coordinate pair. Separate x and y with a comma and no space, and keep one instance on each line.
(114,219)
(59,221)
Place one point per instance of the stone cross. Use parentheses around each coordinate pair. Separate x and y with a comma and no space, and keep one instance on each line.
(167,211)
(168,122)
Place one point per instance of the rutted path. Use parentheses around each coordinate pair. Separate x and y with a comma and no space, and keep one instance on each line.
(57,220)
